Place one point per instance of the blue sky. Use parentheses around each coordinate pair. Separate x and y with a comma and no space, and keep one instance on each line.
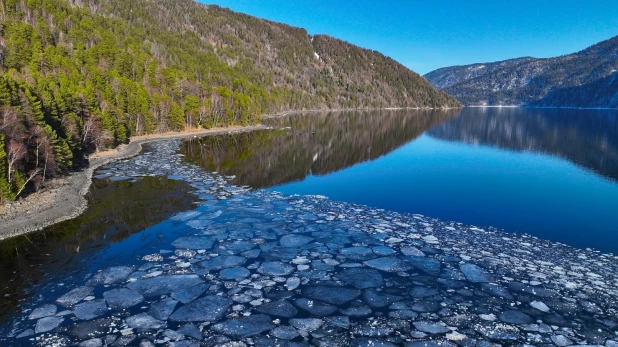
(425,34)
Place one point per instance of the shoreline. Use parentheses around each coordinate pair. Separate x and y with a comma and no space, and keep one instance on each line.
(395,267)
(65,198)
(287,113)
(542,107)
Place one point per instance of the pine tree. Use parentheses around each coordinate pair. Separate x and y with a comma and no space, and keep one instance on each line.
(177,117)
(5,93)
(192,107)
(32,108)
(62,152)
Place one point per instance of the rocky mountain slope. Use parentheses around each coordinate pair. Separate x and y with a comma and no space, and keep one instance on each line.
(583,79)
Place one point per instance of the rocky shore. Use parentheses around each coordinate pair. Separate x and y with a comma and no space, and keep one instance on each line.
(257,268)
(64,198)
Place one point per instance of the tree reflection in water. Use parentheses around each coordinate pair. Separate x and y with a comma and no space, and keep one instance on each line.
(312,143)
(115,211)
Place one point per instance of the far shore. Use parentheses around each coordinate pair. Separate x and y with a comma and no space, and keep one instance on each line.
(64,198)
(283,114)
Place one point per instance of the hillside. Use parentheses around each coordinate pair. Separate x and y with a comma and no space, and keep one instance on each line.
(81,75)
(582,79)
(450,76)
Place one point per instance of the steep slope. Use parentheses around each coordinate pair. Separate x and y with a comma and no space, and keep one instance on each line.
(449,76)
(602,93)
(544,82)
(81,75)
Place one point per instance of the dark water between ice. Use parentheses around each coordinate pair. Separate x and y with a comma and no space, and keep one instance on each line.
(98,238)
(552,173)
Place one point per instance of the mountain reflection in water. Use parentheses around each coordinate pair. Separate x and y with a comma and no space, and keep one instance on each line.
(321,143)
(312,143)
(587,138)
(552,173)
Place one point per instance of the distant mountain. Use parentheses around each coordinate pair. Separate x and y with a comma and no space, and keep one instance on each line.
(81,75)
(583,79)
(450,76)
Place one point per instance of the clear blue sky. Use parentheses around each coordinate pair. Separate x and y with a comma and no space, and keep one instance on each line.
(425,34)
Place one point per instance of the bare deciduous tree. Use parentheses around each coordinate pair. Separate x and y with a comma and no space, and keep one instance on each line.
(15,152)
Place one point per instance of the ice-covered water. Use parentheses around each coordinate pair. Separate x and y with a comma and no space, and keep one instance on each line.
(254,267)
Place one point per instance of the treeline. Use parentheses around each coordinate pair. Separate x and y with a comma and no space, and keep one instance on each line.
(602,93)
(82,75)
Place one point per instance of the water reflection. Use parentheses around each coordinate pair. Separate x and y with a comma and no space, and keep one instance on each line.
(536,171)
(588,138)
(314,144)
(115,211)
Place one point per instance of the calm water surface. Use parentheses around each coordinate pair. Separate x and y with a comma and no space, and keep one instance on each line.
(551,173)
(114,226)
(547,172)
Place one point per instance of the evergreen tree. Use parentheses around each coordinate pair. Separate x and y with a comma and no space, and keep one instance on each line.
(5,93)
(177,117)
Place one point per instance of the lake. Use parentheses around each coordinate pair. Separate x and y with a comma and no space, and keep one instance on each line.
(230,238)
(551,173)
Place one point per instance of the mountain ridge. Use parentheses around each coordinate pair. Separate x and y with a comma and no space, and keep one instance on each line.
(77,76)
(570,80)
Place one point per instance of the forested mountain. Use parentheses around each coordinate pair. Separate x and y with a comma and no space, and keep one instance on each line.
(449,76)
(81,75)
(583,79)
